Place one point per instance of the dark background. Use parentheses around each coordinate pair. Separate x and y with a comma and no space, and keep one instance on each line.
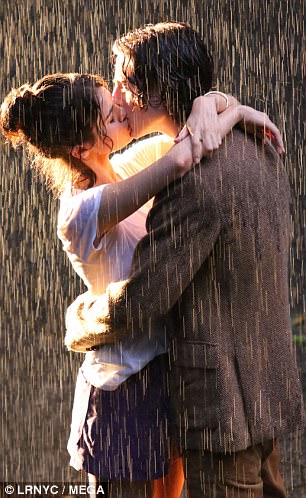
(259,52)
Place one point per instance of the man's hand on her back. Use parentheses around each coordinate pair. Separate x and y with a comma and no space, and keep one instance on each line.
(84,326)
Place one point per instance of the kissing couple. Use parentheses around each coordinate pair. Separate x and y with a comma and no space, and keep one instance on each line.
(189,371)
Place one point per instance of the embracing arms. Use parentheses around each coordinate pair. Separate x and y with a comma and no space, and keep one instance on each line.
(210,121)
(184,227)
(120,199)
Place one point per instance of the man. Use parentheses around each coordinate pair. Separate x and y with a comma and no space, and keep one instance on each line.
(215,265)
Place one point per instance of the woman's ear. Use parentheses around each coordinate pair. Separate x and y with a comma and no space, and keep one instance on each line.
(82,151)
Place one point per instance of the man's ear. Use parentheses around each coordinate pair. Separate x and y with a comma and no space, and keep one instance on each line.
(82,151)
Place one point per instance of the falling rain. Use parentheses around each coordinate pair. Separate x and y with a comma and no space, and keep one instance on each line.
(259,52)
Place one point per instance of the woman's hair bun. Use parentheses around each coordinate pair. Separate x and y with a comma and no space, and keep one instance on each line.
(15,111)
(26,92)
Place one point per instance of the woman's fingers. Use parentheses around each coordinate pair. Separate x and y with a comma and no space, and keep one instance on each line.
(261,121)
(202,144)
(277,137)
(203,148)
(197,149)
(271,130)
(182,135)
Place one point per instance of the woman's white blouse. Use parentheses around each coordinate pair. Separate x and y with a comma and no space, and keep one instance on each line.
(99,262)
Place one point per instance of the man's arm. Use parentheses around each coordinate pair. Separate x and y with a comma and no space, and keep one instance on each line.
(183,227)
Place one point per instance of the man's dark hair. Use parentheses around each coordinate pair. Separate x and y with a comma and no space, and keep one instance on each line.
(166,62)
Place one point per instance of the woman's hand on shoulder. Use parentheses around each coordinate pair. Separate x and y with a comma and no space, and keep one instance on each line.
(203,127)
(203,124)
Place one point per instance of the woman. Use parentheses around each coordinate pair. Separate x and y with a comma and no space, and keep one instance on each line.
(70,125)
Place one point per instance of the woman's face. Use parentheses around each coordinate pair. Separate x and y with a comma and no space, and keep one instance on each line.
(115,123)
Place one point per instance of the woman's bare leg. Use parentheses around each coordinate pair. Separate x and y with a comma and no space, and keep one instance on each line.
(172,484)
(93,482)
(169,486)
(122,489)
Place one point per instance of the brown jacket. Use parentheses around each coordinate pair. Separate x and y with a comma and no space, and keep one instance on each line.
(215,265)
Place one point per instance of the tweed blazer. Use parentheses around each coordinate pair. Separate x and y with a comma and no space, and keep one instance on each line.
(214,265)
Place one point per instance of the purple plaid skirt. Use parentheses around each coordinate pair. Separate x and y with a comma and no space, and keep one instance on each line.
(123,434)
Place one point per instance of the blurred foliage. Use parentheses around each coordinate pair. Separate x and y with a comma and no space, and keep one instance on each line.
(299,329)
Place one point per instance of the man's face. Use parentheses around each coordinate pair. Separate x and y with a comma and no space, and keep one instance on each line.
(141,121)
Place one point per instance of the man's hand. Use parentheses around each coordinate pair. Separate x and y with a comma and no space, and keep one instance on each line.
(86,322)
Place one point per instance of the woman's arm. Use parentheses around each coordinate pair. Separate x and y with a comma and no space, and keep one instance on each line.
(119,200)
(254,122)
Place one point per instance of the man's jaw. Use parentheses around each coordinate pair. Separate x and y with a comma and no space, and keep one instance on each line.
(140,123)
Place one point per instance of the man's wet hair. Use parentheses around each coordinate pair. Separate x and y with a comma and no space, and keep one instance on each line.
(166,63)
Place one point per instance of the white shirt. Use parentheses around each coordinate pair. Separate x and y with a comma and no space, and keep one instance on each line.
(110,261)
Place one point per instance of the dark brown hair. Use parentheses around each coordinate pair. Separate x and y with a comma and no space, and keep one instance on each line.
(168,60)
(49,118)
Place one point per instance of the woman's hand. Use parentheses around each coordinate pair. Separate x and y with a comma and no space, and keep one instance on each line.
(203,124)
(260,123)
(203,127)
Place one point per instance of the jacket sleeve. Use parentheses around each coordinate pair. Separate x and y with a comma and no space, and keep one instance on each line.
(183,227)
